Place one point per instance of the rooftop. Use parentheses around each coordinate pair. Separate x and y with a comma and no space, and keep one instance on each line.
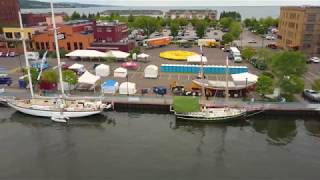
(109,23)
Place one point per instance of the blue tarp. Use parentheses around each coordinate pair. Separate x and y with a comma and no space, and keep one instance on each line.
(109,83)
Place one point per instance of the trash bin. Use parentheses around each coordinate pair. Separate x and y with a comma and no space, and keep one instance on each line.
(22,82)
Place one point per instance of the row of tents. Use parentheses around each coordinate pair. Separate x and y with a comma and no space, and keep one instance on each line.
(98,54)
(112,87)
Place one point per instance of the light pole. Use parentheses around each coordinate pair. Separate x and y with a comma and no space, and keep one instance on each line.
(127,84)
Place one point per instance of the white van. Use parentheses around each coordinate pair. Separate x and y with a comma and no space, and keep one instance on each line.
(236,54)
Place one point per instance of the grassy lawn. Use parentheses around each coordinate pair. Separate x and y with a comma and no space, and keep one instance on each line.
(186,104)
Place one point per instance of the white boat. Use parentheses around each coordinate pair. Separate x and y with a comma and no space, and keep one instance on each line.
(58,109)
(214,114)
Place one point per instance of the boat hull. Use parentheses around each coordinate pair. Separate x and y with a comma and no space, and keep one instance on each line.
(48,113)
(190,117)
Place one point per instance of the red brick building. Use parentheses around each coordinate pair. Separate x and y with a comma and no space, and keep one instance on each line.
(111,36)
(9,12)
(110,31)
(31,19)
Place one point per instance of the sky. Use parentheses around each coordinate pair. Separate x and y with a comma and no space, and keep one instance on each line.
(195,2)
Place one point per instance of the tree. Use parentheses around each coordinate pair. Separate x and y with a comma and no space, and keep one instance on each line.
(264,85)
(248,53)
(231,14)
(226,22)
(201,27)
(131,18)
(182,21)
(84,16)
(34,75)
(227,38)
(70,77)
(174,28)
(50,76)
(75,15)
(288,68)
(148,24)
(235,29)
(316,85)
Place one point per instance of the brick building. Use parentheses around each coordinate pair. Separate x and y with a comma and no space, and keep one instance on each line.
(9,12)
(31,19)
(72,35)
(111,36)
(299,29)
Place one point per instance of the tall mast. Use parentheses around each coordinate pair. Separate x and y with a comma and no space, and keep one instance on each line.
(25,55)
(202,73)
(227,80)
(57,47)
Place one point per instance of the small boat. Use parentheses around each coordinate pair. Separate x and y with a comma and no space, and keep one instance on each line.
(60,119)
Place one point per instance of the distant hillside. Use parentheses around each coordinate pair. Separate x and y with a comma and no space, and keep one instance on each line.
(32,4)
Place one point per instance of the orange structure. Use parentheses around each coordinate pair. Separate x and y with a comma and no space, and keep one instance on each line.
(157,42)
(71,36)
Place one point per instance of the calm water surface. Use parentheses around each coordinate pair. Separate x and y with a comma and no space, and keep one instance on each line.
(152,146)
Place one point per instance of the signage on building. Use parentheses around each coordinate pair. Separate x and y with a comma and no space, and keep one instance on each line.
(61,36)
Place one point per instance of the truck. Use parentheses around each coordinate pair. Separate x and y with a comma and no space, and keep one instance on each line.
(208,43)
(235,54)
(157,42)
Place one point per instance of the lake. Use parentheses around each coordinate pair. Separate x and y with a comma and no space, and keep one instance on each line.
(245,11)
(153,146)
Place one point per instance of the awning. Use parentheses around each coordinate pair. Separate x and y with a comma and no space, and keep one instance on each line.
(86,53)
(76,66)
(117,54)
(197,59)
(244,77)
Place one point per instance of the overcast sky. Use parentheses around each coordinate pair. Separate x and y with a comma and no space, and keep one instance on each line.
(196,2)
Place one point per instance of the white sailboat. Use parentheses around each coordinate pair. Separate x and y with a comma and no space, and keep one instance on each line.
(222,114)
(59,109)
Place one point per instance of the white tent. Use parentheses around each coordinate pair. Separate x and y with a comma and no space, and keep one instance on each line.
(197,59)
(103,70)
(117,54)
(151,71)
(127,88)
(76,66)
(86,53)
(88,78)
(243,78)
(143,55)
(120,72)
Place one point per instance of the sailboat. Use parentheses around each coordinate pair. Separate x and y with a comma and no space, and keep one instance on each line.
(209,114)
(61,108)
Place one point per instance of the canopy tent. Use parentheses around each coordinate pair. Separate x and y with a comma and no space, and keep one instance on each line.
(120,72)
(86,54)
(197,59)
(151,71)
(244,78)
(130,65)
(110,87)
(143,56)
(88,78)
(117,54)
(127,88)
(102,70)
(76,66)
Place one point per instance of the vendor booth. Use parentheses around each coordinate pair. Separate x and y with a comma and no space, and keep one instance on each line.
(109,87)
(87,81)
(151,71)
(78,68)
(120,72)
(102,70)
(127,88)
(196,59)
(86,54)
(244,78)
(117,54)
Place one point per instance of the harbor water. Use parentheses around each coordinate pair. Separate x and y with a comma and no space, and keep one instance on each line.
(121,145)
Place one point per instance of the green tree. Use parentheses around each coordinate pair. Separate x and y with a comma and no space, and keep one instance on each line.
(34,75)
(264,85)
(148,24)
(235,29)
(289,68)
(194,21)
(182,21)
(264,56)
(201,27)
(84,16)
(50,76)
(70,77)
(316,85)
(248,53)
(227,38)
(226,22)
(174,28)
(231,14)
(131,18)
(75,15)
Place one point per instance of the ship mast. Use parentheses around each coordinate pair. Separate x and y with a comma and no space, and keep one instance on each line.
(25,55)
(227,82)
(202,73)
(57,47)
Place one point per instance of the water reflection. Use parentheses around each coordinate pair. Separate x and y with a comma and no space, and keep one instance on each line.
(279,131)
(95,121)
(313,127)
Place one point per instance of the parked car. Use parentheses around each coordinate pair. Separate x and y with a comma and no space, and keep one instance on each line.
(314,59)
(192,93)
(258,64)
(252,41)
(12,54)
(230,57)
(272,46)
(311,95)
(270,37)
(160,90)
